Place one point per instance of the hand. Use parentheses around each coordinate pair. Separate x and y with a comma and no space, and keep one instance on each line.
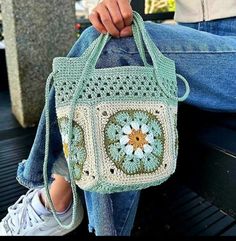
(114,17)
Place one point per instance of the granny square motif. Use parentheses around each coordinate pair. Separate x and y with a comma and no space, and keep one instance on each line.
(123,142)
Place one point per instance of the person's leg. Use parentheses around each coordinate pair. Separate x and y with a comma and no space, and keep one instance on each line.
(225,27)
(31,214)
(61,194)
(60,188)
(30,170)
(112,214)
(206,60)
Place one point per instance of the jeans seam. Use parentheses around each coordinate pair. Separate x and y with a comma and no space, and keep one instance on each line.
(181,52)
(112,211)
(199,26)
(128,214)
(200,52)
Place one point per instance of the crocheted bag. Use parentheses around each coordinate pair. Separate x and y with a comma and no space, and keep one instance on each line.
(118,125)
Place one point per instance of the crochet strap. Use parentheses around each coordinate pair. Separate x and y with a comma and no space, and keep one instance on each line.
(139,43)
(45,165)
(98,46)
(187,89)
(138,28)
(141,38)
(156,57)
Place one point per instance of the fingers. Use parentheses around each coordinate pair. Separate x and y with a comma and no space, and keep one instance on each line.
(106,20)
(113,16)
(96,22)
(126,11)
(115,13)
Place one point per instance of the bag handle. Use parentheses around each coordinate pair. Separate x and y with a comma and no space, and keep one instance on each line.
(141,38)
(157,58)
(138,37)
(140,45)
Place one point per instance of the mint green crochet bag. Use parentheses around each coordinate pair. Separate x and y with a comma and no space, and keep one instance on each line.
(118,125)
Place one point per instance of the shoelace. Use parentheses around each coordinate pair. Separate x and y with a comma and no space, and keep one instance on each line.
(21,215)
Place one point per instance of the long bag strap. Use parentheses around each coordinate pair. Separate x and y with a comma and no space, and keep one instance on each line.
(141,37)
(98,44)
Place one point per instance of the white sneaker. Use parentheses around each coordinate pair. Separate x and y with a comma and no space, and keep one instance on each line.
(22,220)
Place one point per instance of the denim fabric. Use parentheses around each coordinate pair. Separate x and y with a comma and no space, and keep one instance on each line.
(109,206)
(205,55)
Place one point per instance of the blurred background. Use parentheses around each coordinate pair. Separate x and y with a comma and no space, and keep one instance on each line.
(165,9)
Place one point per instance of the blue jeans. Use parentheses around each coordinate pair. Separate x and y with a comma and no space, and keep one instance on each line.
(205,55)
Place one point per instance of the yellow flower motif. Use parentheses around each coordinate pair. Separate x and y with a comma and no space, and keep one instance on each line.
(66,149)
(134,141)
(65,145)
(137,139)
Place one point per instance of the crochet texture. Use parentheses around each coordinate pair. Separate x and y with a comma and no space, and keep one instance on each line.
(118,125)
(123,125)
